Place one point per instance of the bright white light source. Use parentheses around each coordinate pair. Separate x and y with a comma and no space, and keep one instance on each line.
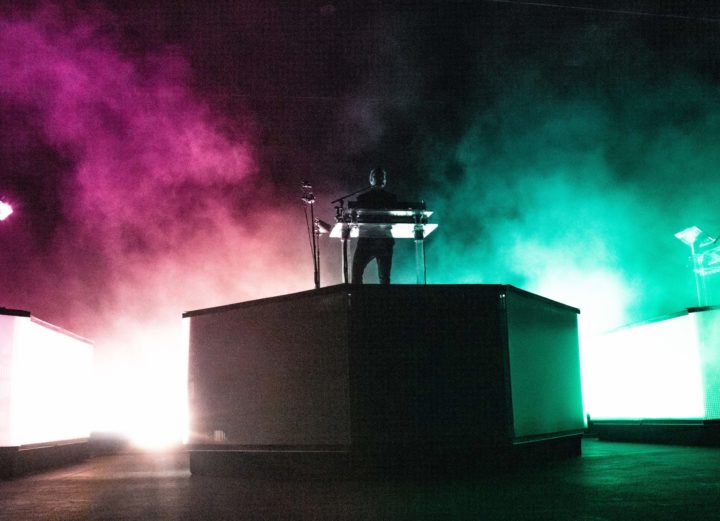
(5,210)
(141,386)
(652,371)
(47,371)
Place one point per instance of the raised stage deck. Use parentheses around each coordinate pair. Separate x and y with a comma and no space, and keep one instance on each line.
(382,377)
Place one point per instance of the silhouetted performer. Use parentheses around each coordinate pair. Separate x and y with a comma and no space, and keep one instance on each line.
(369,248)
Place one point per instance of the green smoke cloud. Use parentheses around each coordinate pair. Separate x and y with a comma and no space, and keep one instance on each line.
(573,185)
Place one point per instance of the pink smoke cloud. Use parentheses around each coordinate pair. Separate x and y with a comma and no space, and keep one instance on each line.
(156,173)
(161,202)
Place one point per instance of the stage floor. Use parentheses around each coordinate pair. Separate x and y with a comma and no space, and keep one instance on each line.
(610,481)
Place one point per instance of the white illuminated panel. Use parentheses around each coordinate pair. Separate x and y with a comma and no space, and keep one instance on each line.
(667,369)
(7,324)
(44,382)
(377,230)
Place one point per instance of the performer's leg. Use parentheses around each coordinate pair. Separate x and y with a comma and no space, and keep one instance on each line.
(384,262)
(361,258)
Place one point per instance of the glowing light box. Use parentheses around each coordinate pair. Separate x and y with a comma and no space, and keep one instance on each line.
(45,377)
(667,368)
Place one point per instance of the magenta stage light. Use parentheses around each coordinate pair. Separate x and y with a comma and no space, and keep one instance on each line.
(5,210)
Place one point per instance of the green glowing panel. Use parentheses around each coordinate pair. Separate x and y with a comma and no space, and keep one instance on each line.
(544,366)
(667,369)
(708,330)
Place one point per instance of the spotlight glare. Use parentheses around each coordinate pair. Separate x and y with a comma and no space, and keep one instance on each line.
(141,387)
(5,210)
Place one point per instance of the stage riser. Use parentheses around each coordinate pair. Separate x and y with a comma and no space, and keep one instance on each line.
(704,433)
(657,381)
(19,461)
(400,461)
(372,368)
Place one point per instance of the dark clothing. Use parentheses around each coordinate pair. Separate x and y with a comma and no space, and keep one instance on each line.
(368,249)
(380,249)
(376,198)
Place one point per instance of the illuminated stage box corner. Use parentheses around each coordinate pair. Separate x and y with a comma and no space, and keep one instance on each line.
(658,380)
(383,375)
(45,377)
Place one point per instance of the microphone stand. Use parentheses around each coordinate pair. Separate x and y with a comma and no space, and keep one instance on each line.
(340,207)
(308,199)
(342,199)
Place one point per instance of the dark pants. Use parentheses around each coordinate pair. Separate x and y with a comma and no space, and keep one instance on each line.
(369,249)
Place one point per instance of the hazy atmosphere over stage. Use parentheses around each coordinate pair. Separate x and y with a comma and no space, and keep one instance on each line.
(154,151)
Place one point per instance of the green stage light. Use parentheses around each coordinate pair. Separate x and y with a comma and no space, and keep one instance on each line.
(655,370)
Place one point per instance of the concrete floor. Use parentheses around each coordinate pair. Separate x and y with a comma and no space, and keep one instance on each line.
(611,481)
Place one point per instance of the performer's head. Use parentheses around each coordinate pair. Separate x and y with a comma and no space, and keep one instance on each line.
(378,177)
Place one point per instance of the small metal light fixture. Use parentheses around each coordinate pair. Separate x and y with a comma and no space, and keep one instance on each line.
(702,247)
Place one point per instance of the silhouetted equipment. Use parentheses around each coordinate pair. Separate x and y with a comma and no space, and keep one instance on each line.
(408,220)
(705,257)
(316,227)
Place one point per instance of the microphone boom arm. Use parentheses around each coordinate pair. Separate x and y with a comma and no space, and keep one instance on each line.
(340,199)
